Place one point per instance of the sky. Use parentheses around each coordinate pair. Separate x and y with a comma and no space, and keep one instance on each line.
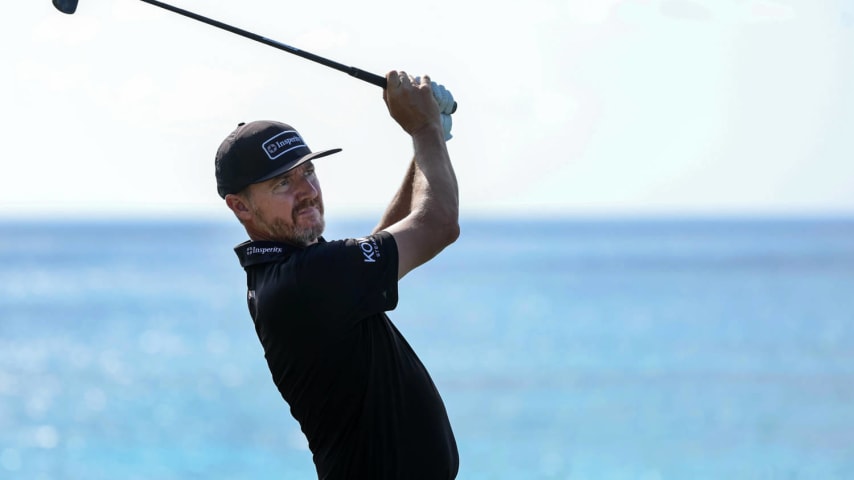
(566,107)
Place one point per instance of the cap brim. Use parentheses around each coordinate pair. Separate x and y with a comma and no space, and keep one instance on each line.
(290,166)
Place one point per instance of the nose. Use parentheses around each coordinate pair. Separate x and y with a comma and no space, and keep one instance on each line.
(307,188)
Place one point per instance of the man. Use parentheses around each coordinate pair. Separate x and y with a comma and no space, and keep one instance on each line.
(364,400)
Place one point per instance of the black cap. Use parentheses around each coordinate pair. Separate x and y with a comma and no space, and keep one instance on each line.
(259,151)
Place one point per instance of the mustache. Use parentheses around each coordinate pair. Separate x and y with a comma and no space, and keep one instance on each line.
(314,202)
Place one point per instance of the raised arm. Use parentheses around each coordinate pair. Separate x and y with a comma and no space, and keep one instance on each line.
(424,215)
(401,204)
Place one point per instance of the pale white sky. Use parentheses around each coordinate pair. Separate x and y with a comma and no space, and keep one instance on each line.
(566,106)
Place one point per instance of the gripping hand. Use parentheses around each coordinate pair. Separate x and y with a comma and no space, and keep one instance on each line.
(446,103)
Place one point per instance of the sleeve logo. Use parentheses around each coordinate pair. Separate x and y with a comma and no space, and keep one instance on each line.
(370,249)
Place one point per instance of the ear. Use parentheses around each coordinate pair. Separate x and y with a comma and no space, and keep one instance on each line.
(239,205)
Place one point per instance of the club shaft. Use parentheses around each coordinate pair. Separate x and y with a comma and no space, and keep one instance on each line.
(352,71)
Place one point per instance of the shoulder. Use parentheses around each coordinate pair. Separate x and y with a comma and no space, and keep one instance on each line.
(328,262)
(340,279)
(348,262)
(378,248)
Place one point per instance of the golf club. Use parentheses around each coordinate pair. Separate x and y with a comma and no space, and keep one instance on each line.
(70,6)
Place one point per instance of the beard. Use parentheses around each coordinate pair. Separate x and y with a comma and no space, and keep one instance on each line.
(296,233)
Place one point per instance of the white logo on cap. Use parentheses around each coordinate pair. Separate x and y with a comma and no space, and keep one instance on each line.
(282,143)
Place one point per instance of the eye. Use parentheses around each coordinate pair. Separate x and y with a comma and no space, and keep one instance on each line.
(282,184)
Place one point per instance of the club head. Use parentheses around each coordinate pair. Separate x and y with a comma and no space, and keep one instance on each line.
(65,6)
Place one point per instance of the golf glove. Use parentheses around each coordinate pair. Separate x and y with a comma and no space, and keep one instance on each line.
(446,106)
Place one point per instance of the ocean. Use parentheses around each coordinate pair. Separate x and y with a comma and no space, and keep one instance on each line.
(644,349)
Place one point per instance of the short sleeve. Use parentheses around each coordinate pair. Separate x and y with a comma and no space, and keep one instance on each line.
(344,281)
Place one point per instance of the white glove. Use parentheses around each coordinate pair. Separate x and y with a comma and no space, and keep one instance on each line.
(447,123)
(443,98)
(446,105)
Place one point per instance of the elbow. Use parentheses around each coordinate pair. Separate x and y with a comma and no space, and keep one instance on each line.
(448,230)
(443,228)
(446,222)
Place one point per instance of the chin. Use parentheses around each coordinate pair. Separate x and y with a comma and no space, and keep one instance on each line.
(309,234)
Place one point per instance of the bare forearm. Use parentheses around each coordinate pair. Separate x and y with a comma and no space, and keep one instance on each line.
(435,195)
(401,204)
(431,176)
(429,220)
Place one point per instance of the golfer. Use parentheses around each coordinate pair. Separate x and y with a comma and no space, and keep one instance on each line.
(363,399)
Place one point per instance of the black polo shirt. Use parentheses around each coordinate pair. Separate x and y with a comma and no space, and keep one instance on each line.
(364,400)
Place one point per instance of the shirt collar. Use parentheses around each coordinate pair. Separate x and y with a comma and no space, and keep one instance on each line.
(257,252)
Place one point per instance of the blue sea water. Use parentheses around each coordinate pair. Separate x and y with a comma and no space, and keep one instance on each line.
(576,349)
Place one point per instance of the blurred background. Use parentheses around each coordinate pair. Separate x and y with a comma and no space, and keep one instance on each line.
(655,273)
